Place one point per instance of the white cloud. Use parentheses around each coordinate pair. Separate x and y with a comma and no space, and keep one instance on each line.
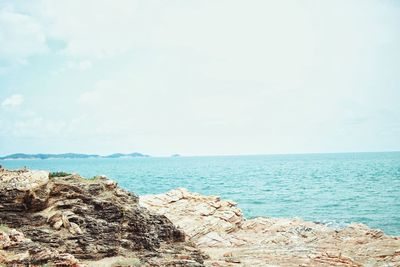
(37,127)
(265,41)
(81,65)
(203,75)
(84,65)
(20,36)
(108,30)
(13,101)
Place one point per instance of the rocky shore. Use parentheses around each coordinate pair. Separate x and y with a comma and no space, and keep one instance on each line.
(220,230)
(66,220)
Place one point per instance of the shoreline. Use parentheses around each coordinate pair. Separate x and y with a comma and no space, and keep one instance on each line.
(219,228)
(177,228)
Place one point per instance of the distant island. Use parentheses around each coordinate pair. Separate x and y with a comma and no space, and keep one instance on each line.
(70,156)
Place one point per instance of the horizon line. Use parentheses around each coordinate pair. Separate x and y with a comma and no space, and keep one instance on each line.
(210,155)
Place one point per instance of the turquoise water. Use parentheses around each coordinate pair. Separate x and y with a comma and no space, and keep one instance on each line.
(331,188)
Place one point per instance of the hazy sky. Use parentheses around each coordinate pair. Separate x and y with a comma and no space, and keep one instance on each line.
(199,77)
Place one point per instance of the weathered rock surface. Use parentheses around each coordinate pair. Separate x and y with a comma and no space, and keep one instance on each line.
(219,228)
(89,219)
(63,220)
(16,249)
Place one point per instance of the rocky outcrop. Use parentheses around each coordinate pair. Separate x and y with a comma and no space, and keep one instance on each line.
(16,249)
(219,228)
(85,219)
(70,221)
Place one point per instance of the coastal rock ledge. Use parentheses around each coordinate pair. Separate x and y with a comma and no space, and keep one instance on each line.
(220,230)
(66,220)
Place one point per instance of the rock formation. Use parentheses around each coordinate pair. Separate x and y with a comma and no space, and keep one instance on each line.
(65,220)
(219,229)
(16,249)
(61,219)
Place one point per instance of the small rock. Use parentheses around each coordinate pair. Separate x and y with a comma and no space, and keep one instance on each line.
(227,254)
(75,229)
(65,221)
(232,260)
(57,225)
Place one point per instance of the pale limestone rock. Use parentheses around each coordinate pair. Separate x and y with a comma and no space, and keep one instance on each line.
(66,222)
(219,228)
(75,229)
(5,241)
(213,239)
(57,225)
(23,180)
(110,184)
(204,209)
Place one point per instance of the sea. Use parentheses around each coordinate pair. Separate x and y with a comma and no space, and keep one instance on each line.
(334,189)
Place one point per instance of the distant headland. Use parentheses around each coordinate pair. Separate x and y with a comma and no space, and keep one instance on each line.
(70,156)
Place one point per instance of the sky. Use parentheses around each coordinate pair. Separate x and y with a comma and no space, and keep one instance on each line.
(220,77)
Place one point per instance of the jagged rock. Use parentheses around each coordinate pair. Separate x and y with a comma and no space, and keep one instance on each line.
(219,229)
(16,250)
(206,220)
(89,219)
